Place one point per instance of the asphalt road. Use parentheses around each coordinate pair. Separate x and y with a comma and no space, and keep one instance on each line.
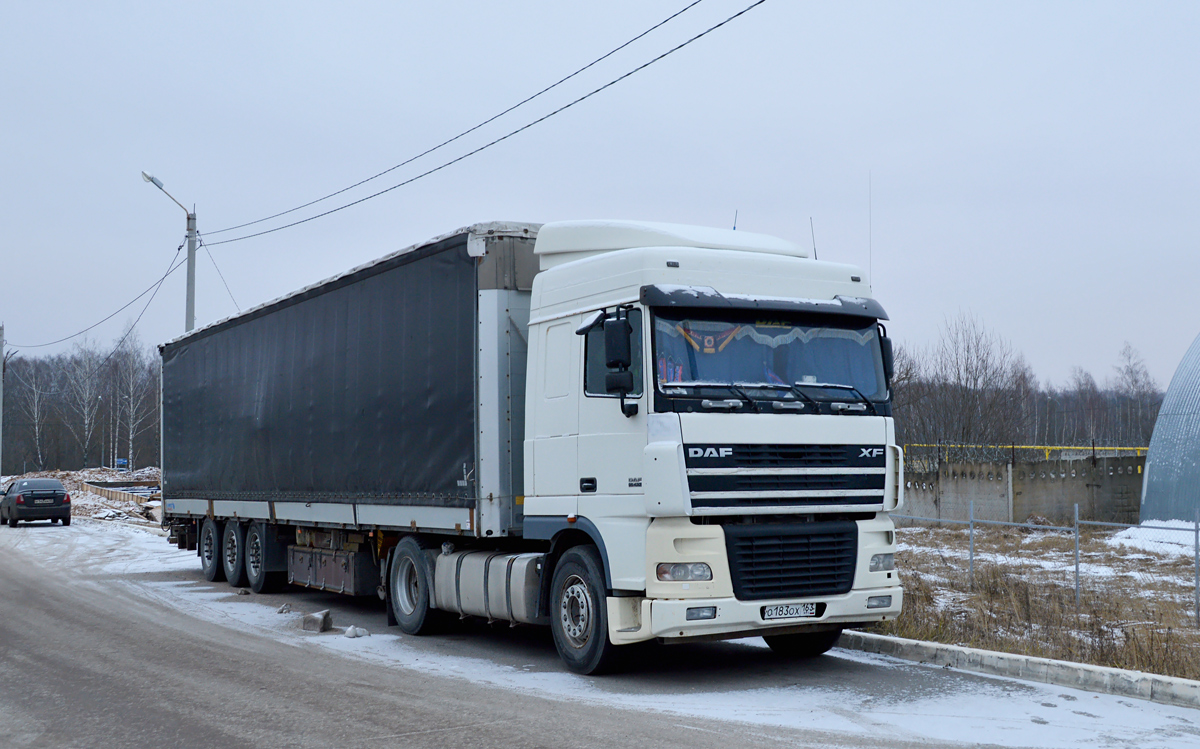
(94,654)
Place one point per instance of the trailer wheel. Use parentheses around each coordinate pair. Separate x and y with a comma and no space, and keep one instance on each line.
(233,553)
(255,554)
(806,645)
(408,588)
(210,551)
(579,612)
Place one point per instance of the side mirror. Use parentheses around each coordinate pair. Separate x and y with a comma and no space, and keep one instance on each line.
(617,354)
(619,383)
(889,358)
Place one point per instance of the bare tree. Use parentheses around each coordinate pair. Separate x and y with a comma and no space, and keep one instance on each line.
(82,390)
(136,386)
(35,380)
(970,387)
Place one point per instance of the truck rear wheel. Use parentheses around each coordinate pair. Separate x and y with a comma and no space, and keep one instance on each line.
(806,645)
(233,553)
(255,555)
(409,583)
(210,551)
(579,612)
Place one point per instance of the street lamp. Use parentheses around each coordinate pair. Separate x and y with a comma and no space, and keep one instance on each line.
(190,316)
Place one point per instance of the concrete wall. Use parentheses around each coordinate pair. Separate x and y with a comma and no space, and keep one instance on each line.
(1107,490)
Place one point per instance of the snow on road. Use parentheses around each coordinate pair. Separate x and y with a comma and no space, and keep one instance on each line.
(939,706)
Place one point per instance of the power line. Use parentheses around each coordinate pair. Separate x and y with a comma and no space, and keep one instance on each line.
(464,133)
(219,273)
(125,306)
(174,266)
(501,138)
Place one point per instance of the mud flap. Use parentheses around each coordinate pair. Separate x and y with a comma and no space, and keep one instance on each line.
(387,588)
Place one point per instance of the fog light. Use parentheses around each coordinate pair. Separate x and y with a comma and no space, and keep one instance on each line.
(883,562)
(701,612)
(682,572)
(879,602)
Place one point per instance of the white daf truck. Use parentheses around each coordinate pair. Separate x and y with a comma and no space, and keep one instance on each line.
(626,431)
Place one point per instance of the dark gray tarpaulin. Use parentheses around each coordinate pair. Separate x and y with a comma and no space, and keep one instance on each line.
(361,389)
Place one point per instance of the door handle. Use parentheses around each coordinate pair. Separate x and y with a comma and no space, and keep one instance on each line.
(587,485)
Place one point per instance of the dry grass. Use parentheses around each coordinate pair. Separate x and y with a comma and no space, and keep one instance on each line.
(1135,611)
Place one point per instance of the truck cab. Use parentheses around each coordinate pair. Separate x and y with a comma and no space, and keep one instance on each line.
(710,410)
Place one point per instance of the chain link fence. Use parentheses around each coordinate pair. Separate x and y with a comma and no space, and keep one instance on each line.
(1126,596)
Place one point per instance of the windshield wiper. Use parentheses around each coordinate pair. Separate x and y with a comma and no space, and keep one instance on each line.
(865,400)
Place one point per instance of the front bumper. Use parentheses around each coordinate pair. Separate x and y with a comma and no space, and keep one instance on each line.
(668,618)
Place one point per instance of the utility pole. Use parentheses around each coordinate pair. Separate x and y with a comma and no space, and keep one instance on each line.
(190,309)
(190,314)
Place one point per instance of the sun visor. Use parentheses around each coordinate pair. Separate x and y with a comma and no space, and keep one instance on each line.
(668,295)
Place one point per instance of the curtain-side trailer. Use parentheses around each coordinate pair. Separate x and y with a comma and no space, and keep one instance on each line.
(623,430)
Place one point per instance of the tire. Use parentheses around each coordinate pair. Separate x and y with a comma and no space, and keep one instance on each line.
(409,581)
(233,553)
(255,554)
(12,521)
(66,521)
(210,551)
(579,612)
(807,645)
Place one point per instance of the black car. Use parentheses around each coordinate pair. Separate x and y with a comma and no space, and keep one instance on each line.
(35,499)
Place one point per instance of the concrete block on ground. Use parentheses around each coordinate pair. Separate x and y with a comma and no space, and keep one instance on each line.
(320,621)
(1168,690)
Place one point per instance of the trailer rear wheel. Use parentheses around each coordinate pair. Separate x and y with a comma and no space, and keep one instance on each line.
(210,551)
(409,582)
(233,553)
(806,645)
(579,612)
(255,554)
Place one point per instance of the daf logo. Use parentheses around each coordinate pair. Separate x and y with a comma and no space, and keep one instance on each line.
(710,452)
(871,452)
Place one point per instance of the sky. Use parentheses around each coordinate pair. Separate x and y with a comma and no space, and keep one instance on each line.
(1033,164)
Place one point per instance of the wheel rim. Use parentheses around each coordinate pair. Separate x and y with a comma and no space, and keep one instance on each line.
(575,612)
(207,549)
(253,555)
(231,550)
(407,590)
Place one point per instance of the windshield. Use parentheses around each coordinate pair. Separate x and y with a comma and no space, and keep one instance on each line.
(825,357)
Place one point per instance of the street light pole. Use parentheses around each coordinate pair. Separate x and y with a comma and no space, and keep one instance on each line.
(190,313)
(190,309)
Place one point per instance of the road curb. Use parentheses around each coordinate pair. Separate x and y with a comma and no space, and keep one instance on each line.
(1168,690)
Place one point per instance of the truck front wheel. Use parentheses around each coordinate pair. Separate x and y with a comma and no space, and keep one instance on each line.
(210,551)
(409,582)
(579,612)
(806,645)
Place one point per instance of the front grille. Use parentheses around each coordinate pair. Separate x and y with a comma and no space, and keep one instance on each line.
(750,500)
(784,482)
(783,456)
(794,560)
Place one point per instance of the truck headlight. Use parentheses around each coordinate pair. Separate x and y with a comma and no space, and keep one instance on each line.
(879,602)
(684,572)
(883,563)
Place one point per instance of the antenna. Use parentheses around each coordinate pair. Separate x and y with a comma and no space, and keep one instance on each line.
(814,236)
(735,219)
(870,235)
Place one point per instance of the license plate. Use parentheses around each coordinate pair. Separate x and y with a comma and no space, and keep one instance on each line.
(43,501)
(789,611)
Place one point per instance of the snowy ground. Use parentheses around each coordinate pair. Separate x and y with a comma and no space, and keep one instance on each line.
(867,698)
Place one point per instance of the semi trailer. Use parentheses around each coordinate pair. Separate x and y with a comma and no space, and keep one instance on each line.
(625,431)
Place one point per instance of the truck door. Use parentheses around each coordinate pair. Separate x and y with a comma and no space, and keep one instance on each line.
(611,443)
